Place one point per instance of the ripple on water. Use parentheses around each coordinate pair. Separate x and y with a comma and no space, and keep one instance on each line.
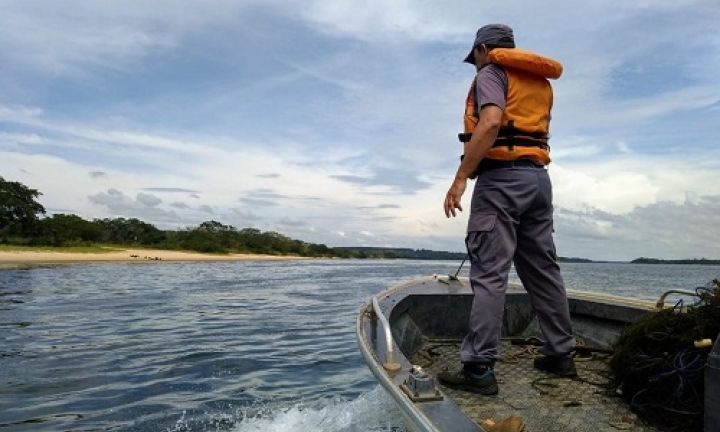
(217,346)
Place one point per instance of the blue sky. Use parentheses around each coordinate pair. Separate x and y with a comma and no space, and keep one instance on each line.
(335,122)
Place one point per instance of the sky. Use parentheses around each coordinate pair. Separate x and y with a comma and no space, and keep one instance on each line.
(336,121)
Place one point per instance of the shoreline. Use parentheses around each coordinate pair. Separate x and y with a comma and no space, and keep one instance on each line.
(25,258)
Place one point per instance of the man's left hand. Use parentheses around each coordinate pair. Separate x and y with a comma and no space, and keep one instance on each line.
(454,194)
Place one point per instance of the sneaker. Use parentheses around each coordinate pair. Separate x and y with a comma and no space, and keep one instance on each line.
(563,366)
(480,380)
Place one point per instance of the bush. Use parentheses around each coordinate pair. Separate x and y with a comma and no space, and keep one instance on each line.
(66,229)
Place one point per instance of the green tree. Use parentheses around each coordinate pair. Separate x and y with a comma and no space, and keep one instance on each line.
(319,250)
(18,209)
(65,229)
(209,236)
(215,227)
(251,240)
(130,231)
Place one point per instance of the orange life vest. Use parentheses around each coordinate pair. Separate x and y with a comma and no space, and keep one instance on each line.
(526,119)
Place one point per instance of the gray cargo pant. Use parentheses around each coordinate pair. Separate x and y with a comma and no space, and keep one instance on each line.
(511,220)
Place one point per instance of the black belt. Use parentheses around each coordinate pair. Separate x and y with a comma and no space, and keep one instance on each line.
(491,164)
(511,141)
(521,142)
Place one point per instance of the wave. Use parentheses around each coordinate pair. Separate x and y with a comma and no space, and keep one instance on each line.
(372,411)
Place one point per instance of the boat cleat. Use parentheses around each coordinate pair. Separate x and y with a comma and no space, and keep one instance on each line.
(420,386)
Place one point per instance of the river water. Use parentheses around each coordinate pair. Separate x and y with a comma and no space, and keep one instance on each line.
(241,346)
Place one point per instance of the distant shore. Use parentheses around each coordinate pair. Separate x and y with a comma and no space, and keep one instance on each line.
(694,261)
(23,258)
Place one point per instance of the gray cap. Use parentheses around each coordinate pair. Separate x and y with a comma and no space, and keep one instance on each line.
(498,35)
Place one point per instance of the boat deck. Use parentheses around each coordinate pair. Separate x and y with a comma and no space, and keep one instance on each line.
(544,402)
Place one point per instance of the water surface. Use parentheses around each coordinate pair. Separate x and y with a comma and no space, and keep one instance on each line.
(238,346)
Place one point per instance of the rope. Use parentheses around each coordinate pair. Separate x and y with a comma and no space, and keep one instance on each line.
(458,270)
(658,369)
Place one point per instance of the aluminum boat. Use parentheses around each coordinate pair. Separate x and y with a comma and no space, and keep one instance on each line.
(410,332)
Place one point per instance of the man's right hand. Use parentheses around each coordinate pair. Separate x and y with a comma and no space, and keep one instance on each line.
(453,197)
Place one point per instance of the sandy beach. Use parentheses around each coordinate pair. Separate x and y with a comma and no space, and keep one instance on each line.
(39,257)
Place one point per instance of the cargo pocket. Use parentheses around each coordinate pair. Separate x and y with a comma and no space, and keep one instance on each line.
(478,226)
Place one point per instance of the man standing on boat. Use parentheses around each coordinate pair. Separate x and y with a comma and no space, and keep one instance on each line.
(507,118)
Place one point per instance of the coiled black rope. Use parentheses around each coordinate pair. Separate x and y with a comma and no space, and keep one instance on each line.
(657,367)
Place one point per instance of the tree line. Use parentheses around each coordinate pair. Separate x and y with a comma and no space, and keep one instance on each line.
(23,221)
(701,261)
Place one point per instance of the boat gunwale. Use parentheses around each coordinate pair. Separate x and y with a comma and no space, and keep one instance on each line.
(390,383)
(407,407)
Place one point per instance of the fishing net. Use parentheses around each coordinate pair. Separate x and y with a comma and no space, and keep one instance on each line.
(658,369)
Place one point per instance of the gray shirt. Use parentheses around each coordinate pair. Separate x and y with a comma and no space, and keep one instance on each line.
(491,86)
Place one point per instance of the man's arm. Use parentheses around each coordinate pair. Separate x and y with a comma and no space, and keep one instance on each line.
(480,143)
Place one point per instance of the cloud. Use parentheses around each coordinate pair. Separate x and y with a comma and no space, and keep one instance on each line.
(395,180)
(98,174)
(127,144)
(319,74)
(112,197)
(206,208)
(169,190)
(20,138)
(148,199)
(267,194)
(623,147)
(627,181)
(245,215)
(288,222)
(370,96)
(379,207)
(633,111)
(130,139)
(617,191)
(352,178)
(661,230)
(20,114)
(257,202)
(144,206)
(265,197)
(72,39)
(387,218)
(381,21)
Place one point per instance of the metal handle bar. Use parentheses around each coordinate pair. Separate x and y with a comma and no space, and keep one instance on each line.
(661,301)
(390,364)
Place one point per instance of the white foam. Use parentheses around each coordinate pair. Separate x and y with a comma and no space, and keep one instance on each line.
(372,411)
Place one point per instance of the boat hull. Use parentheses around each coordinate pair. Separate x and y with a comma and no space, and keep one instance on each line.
(431,311)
